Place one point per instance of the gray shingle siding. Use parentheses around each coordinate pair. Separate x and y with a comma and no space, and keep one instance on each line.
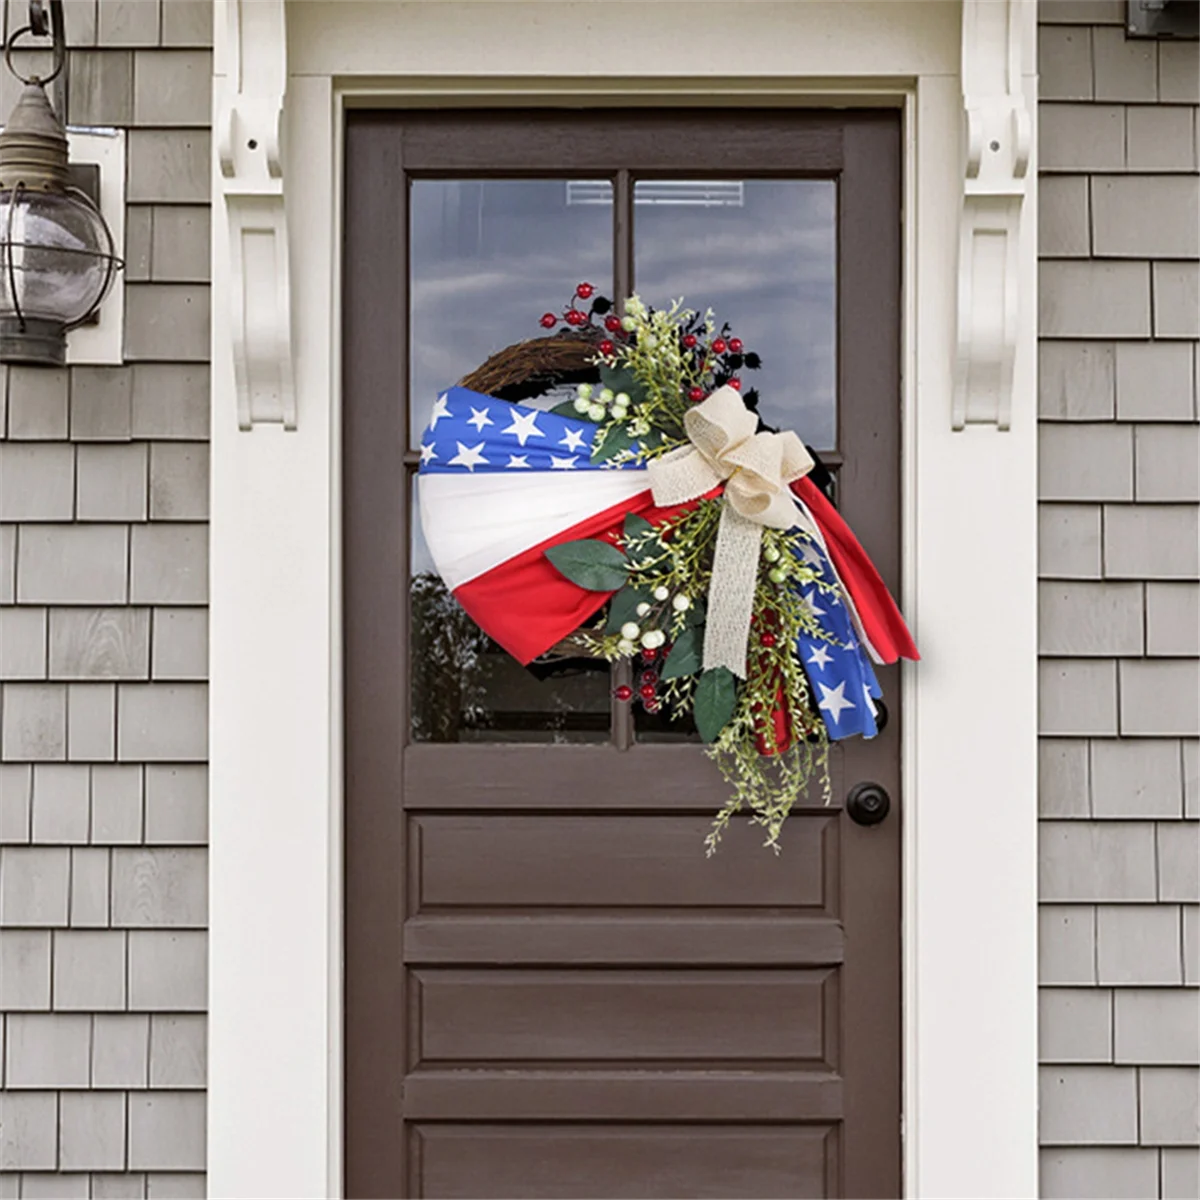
(103,668)
(1120,477)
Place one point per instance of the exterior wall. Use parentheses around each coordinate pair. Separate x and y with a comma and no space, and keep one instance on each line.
(1119,628)
(103,656)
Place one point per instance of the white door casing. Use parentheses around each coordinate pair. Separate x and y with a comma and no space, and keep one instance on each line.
(963,75)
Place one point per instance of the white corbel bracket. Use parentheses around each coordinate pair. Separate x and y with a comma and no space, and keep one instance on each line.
(251,70)
(996,52)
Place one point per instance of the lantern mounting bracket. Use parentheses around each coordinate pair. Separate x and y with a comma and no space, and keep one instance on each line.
(251,70)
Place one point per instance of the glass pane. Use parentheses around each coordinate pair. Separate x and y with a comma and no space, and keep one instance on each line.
(465,688)
(762,253)
(487,258)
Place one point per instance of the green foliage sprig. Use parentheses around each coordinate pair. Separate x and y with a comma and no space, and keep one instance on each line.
(764,732)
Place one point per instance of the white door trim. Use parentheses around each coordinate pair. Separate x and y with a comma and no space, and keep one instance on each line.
(969,526)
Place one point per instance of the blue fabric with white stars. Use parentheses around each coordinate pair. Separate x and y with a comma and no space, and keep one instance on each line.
(469,433)
(840,673)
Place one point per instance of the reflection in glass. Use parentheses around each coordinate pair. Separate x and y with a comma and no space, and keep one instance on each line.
(763,254)
(466,688)
(487,258)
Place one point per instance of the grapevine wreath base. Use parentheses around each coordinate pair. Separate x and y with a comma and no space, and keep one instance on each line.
(654,518)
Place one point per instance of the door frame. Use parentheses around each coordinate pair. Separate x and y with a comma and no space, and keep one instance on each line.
(969,566)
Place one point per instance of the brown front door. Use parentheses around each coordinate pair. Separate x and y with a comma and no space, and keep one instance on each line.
(550,990)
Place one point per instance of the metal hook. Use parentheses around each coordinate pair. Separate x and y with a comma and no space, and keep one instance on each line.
(43,22)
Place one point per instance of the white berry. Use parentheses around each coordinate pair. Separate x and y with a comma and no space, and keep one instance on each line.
(606,395)
(625,646)
(659,639)
(681,603)
(643,609)
(585,391)
(628,324)
(630,630)
(596,412)
(581,405)
(661,593)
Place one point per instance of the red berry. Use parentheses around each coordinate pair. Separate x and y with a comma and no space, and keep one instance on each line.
(735,344)
(768,640)
(624,692)
(649,654)
(736,384)
(549,320)
(695,395)
(647,691)
(606,347)
(612,324)
(689,341)
(575,317)
(584,291)
(719,346)
(649,677)
(652,706)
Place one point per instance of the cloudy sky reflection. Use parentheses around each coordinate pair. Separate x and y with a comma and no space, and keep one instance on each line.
(489,256)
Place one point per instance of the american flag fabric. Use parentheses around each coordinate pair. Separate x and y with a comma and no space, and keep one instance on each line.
(500,483)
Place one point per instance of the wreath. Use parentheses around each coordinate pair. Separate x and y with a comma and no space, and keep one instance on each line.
(653,517)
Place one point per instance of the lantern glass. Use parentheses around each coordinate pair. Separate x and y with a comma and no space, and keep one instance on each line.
(56,257)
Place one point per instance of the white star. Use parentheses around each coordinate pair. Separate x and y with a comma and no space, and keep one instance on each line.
(810,555)
(810,602)
(516,460)
(524,427)
(440,409)
(427,454)
(479,418)
(821,657)
(468,456)
(562,464)
(833,700)
(573,440)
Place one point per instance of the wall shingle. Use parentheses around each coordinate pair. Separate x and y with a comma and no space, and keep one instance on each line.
(86,453)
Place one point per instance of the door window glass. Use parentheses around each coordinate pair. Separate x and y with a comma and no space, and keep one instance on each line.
(487,257)
(763,254)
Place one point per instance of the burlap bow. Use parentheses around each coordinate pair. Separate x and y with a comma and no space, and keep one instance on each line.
(756,469)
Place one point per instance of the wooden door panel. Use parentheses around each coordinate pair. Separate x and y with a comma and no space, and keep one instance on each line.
(667,1161)
(550,990)
(784,1017)
(618,861)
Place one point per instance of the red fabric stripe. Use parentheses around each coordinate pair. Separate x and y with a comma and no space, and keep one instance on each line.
(881,619)
(526,605)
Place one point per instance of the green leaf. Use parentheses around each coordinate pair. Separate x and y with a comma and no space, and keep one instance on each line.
(592,564)
(714,701)
(622,379)
(696,614)
(616,439)
(566,409)
(623,607)
(636,526)
(684,658)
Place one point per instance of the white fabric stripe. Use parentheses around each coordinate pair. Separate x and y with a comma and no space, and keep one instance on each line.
(809,524)
(473,523)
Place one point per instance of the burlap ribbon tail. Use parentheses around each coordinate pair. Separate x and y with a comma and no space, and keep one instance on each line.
(756,469)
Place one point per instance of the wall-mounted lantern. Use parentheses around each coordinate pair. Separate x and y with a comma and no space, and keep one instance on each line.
(1178,19)
(57,258)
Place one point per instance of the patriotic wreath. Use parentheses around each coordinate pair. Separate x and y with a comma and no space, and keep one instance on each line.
(684,535)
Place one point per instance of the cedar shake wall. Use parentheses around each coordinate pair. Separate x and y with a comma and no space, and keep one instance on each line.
(103,658)
(1119,626)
